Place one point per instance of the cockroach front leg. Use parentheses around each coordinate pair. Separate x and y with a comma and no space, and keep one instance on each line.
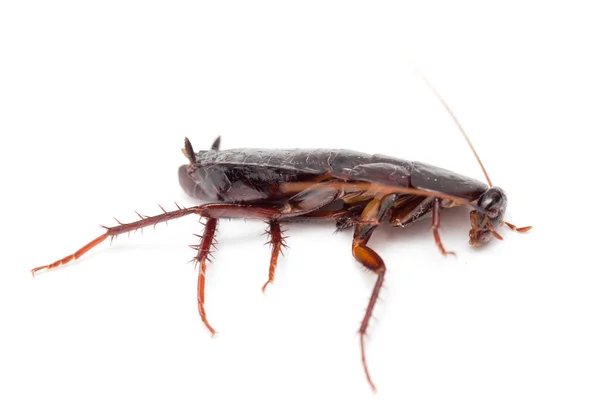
(372,215)
(435,225)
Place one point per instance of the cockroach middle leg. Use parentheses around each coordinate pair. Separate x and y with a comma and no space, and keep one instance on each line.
(204,250)
(435,225)
(277,241)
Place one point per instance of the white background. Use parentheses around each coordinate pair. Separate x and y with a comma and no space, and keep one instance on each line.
(95,102)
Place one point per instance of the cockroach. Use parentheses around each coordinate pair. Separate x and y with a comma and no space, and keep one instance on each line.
(353,189)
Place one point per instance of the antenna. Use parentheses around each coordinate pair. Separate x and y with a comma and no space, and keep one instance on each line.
(439,97)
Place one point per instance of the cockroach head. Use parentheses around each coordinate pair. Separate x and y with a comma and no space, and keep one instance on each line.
(487,217)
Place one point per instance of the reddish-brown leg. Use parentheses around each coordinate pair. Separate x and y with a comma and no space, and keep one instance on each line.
(372,215)
(371,260)
(113,232)
(277,241)
(204,248)
(209,210)
(212,212)
(435,225)
(216,210)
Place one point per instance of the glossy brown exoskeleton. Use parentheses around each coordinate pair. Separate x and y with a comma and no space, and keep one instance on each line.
(353,189)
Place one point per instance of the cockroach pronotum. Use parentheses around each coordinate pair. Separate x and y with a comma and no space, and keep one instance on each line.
(351,188)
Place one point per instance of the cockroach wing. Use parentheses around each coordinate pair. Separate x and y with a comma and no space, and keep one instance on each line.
(433,178)
(383,174)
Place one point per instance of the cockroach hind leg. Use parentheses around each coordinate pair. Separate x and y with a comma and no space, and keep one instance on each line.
(73,256)
(122,228)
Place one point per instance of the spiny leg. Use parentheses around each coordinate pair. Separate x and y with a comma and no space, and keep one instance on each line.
(305,202)
(372,215)
(309,202)
(122,228)
(435,225)
(277,241)
(204,247)
(211,211)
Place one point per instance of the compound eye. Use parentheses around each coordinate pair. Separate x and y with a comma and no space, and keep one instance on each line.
(492,200)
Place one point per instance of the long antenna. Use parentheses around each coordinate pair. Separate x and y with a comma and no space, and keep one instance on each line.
(439,97)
